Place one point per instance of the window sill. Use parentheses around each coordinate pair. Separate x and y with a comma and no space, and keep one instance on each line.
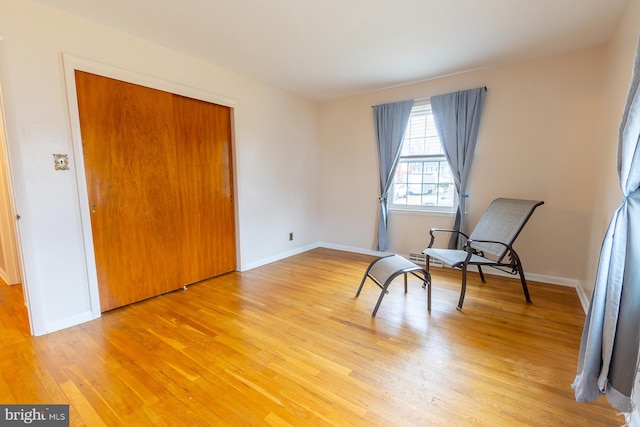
(410,211)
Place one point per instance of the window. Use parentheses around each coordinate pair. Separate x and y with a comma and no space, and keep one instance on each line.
(422,179)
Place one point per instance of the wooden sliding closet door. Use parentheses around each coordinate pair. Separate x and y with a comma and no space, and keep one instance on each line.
(203,137)
(158,171)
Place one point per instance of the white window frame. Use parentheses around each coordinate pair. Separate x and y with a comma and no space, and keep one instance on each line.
(439,157)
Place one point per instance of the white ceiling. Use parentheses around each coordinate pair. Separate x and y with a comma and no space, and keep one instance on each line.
(327,49)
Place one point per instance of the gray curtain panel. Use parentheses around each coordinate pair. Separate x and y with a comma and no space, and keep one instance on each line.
(457,119)
(608,355)
(390,122)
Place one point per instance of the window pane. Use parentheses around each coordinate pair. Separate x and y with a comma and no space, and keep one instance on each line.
(423,178)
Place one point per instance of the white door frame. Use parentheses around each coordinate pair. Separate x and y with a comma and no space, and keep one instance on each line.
(72,63)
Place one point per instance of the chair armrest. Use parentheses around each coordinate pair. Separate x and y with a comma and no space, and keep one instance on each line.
(468,248)
(443,230)
(470,241)
(510,252)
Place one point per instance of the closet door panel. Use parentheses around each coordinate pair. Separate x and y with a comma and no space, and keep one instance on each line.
(131,166)
(205,170)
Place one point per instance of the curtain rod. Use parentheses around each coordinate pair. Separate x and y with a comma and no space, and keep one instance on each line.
(422,99)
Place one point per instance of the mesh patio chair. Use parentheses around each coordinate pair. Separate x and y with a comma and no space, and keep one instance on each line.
(491,242)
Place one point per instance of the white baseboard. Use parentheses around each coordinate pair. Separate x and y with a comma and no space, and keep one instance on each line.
(281,256)
(66,323)
(353,249)
(278,257)
(4,276)
(553,280)
(584,298)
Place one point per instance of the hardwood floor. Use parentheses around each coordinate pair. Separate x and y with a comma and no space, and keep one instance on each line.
(289,344)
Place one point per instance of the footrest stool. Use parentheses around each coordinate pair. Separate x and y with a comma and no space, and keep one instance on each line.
(383,270)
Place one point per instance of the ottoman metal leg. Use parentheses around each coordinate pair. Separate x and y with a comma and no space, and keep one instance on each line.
(383,271)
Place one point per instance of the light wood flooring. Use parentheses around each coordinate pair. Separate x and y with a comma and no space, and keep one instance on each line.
(289,344)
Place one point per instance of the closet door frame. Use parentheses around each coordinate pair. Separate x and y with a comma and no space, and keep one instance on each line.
(72,63)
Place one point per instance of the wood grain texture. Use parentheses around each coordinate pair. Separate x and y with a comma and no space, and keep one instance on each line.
(205,172)
(159,180)
(288,344)
(132,179)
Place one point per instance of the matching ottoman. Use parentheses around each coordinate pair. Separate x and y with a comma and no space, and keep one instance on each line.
(383,270)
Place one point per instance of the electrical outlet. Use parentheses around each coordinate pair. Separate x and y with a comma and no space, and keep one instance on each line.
(291,236)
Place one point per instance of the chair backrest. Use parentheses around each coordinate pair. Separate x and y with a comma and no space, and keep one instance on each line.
(503,221)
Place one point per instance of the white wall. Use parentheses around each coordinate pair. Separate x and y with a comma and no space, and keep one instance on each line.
(536,141)
(275,148)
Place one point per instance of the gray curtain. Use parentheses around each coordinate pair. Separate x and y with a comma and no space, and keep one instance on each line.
(390,123)
(608,355)
(457,119)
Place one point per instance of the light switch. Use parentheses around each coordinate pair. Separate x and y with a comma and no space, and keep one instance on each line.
(61,162)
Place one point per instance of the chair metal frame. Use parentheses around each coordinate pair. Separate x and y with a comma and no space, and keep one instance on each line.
(507,259)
